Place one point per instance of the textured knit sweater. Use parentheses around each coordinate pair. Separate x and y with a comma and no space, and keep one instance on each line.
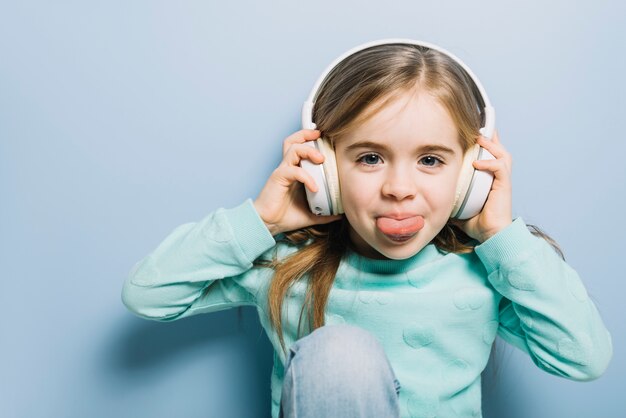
(436,314)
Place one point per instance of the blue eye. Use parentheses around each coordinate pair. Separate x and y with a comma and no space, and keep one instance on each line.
(431,161)
(368,159)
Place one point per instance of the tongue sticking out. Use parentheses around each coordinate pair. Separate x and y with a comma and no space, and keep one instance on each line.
(400,227)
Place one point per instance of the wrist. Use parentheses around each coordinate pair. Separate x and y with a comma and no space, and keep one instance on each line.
(272,228)
(493,231)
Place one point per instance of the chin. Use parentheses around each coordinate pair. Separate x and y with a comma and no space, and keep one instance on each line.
(402,253)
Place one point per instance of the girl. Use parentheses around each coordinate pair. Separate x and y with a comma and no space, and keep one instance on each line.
(402,302)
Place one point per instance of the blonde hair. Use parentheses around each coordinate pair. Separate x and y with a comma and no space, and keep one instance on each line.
(354,91)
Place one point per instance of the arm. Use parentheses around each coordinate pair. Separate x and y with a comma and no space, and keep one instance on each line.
(546,311)
(192,271)
(200,267)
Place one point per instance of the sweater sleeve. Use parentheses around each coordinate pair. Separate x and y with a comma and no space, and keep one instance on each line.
(194,269)
(546,310)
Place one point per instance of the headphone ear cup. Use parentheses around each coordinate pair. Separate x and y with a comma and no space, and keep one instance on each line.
(465,179)
(332,178)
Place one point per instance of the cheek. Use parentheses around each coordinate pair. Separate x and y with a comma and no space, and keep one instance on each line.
(451,188)
(353,196)
(441,193)
(353,187)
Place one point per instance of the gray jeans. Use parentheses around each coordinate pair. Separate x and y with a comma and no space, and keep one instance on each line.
(339,371)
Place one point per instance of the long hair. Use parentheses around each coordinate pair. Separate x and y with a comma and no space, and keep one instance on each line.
(354,91)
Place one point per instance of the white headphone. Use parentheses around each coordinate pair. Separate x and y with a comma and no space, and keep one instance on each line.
(473,185)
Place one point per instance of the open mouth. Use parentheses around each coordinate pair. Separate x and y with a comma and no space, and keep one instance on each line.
(400,228)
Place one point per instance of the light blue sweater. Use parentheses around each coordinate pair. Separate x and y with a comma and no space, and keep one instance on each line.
(435,314)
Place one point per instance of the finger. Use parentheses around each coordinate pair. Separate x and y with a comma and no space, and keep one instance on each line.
(496,137)
(495,148)
(297,152)
(498,167)
(303,177)
(286,176)
(299,138)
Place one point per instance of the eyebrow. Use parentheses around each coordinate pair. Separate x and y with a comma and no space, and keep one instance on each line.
(379,146)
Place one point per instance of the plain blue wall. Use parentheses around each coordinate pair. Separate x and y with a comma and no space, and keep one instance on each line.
(120,120)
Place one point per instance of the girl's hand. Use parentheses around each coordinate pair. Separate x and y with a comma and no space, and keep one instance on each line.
(282,203)
(496,214)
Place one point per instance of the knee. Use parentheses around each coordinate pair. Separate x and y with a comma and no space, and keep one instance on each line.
(344,365)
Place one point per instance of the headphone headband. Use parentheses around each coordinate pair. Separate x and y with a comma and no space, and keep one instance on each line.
(307,108)
(473,185)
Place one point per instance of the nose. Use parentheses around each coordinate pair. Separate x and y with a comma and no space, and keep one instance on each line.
(400,183)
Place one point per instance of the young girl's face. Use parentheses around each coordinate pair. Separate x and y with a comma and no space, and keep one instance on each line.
(405,161)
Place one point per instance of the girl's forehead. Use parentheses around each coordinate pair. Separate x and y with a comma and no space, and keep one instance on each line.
(416,120)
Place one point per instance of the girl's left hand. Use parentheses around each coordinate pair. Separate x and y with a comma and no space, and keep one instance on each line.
(497,213)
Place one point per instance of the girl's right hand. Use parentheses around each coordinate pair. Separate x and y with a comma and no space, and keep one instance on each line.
(282,203)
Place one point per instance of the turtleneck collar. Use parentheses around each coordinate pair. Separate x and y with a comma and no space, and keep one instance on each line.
(389,266)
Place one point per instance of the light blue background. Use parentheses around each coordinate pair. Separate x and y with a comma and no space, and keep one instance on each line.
(120,120)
